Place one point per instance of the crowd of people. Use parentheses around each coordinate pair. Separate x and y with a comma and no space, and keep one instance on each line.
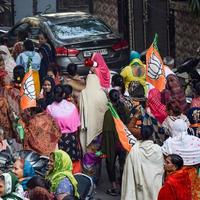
(73,124)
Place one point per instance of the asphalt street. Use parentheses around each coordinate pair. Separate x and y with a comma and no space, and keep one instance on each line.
(104,184)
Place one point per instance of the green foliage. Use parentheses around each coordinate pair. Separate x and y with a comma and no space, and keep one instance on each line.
(5,5)
(195,6)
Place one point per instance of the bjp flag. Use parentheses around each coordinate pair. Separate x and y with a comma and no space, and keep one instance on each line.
(126,139)
(154,67)
(27,91)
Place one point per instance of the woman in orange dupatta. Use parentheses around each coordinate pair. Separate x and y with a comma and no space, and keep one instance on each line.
(177,185)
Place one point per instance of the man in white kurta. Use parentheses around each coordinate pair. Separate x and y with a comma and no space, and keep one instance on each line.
(143,172)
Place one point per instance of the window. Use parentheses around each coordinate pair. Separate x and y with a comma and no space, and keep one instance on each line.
(79,28)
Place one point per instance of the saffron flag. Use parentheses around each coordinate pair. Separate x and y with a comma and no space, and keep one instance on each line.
(27,91)
(154,67)
(126,139)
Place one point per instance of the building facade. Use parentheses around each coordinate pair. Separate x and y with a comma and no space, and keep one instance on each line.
(135,20)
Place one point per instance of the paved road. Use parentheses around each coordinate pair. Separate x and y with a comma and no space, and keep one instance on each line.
(103,185)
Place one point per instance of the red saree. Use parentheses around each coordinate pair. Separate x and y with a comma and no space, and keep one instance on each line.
(176,187)
(195,181)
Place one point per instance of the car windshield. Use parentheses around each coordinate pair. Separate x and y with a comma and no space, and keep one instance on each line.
(79,29)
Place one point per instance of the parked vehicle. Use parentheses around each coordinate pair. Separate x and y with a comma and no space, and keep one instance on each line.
(75,36)
(4,30)
(85,186)
(190,67)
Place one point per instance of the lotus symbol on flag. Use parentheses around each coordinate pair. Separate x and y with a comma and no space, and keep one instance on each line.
(29,88)
(155,67)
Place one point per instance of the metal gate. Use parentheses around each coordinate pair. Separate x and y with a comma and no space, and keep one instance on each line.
(123,17)
(73,5)
(147,17)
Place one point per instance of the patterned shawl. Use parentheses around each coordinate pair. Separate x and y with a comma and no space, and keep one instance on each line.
(176,91)
(157,108)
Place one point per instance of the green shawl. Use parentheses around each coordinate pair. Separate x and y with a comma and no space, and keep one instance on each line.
(110,137)
(62,169)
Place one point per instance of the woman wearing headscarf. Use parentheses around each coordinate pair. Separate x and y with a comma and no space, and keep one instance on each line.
(133,55)
(135,71)
(60,175)
(46,96)
(173,90)
(24,171)
(100,68)
(93,105)
(177,185)
(8,60)
(10,189)
(157,109)
(41,131)
(188,147)
(30,58)
(174,113)
(143,170)
(66,115)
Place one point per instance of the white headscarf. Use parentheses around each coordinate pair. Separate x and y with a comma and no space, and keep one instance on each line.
(187,146)
(12,186)
(8,60)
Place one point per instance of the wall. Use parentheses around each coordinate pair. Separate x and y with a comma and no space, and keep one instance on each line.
(107,10)
(73,5)
(22,9)
(45,4)
(187,37)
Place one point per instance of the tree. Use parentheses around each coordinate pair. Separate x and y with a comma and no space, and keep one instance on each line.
(5,5)
(195,6)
